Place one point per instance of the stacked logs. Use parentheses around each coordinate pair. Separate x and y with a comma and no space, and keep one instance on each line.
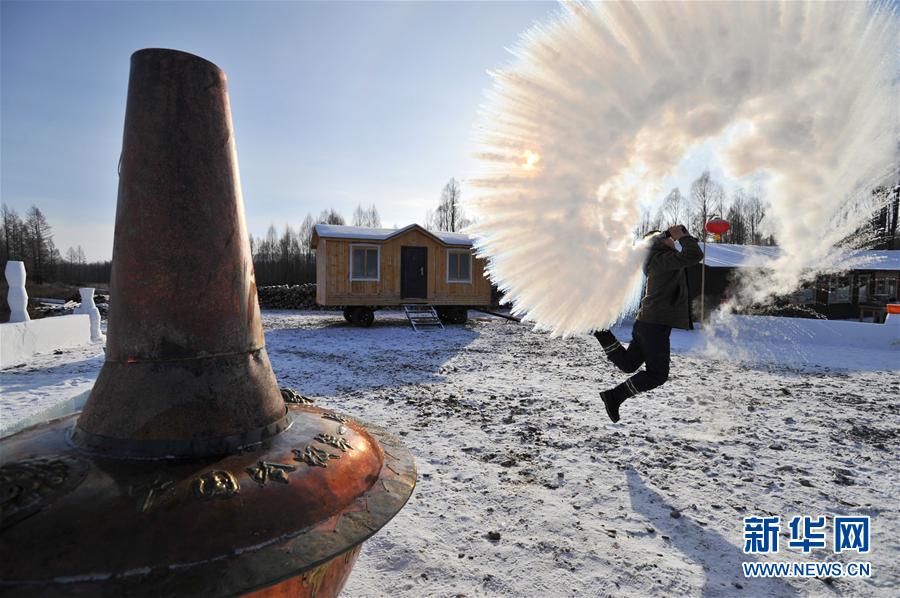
(299,296)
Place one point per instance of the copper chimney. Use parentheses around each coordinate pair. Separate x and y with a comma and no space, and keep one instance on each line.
(186,368)
(189,472)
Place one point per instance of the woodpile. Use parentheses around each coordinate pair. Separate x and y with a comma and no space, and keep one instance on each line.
(298,296)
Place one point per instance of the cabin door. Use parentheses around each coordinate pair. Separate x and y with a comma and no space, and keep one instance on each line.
(413,272)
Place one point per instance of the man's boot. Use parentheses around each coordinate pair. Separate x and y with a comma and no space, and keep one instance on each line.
(614,397)
(608,341)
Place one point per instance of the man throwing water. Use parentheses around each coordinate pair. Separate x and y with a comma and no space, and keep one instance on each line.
(665,305)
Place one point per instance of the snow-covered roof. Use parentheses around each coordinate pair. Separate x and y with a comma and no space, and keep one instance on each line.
(722,255)
(362,233)
(877,259)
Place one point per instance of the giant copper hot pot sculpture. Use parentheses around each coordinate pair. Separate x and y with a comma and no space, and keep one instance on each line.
(189,472)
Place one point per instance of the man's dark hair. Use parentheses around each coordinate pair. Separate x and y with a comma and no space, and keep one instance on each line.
(652,238)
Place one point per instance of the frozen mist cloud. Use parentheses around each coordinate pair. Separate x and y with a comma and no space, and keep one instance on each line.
(601,103)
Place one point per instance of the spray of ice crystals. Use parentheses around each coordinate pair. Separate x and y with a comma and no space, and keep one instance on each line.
(601,103)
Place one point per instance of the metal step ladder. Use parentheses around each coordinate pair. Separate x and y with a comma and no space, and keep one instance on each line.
(422,317)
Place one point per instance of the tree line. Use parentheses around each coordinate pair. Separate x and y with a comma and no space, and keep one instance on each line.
(30,240)
(287,258)
(744,210)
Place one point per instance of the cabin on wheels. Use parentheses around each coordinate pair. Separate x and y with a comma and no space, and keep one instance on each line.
(364,269)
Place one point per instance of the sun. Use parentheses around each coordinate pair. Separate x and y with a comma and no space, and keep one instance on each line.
(531,160)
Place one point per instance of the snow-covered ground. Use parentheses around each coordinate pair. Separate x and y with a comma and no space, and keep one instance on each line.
(526,489)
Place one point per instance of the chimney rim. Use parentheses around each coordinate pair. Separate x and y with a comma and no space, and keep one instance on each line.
(172,52)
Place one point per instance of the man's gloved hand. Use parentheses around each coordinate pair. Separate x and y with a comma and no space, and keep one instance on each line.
(677,231)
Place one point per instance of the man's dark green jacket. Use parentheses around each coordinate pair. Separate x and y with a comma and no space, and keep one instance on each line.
(666,299)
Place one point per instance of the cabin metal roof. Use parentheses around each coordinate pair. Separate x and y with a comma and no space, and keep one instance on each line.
(722,255)
(335,231)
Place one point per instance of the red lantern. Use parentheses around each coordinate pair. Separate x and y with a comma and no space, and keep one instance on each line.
(717,226)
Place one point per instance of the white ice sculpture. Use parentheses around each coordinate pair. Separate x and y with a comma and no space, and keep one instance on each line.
(17,296)
(88,307)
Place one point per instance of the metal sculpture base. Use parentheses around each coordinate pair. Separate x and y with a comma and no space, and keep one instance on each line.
(287,513)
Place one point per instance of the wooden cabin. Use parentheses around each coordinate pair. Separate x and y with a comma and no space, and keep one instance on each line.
(364,269)
(870,281)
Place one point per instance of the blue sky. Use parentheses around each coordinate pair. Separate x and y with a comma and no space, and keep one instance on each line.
(334,104)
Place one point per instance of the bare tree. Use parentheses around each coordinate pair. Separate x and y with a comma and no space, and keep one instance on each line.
(737,218)
(450,199)
(755,212)
(269,245)
(374,217)
(359,216)
(10,224)
(286,243)
(672,210)
(367,217)
(72,268)
(707,199)
(449,214)
(647,223)
(14,235)
(331,216)
(306,232)
(40,247)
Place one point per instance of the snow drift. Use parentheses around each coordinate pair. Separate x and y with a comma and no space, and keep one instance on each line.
(601,103)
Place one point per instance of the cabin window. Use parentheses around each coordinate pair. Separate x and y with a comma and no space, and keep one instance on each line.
(839,290)
(885,287)
(459,266)
(805,295)
(862,288)
(365,262)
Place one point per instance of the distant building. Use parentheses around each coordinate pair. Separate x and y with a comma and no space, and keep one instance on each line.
(871,281)
(364,269)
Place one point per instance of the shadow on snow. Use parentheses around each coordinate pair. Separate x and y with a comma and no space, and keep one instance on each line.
(720,559)
(337,357)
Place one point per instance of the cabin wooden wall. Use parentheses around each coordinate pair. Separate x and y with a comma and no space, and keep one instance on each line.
(334,286)
(321,272)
